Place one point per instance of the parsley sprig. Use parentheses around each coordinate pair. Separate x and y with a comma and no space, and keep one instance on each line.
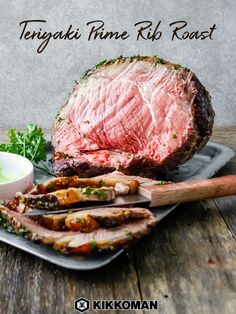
(29,143)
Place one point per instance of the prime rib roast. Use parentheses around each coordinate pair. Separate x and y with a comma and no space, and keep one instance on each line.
(140,115)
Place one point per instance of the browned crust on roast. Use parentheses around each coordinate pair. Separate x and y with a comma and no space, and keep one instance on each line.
(71,166)
(121,59)
(204,118)
(66,166)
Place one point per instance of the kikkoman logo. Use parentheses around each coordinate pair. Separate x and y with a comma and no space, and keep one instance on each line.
(82,305)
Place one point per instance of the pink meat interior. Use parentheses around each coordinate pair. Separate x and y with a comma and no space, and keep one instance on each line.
(126,111)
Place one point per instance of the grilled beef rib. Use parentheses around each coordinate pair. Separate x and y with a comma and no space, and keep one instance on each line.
(139,115)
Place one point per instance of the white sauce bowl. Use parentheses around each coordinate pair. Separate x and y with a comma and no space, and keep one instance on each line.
(16,175)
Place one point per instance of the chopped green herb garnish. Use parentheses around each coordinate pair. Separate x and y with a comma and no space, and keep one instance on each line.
(158,60)
(51,187)
(58,118)
(101,194)
(128,234)
(4,221)
(7,227)
(103,62)
(176,66)
(80,220)
(102,183)
(174,135)
(162,182)
(92,245)
(186,69)
(22,231)
(39,202)
(85,75)
(52,205)
(87,190)
(132,58)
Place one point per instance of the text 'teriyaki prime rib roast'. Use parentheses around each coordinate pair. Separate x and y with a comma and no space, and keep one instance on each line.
(140,115)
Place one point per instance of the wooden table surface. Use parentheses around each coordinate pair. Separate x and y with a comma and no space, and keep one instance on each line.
(188,264)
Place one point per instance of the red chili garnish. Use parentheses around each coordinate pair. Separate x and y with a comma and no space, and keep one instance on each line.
(75,225)
(84,249)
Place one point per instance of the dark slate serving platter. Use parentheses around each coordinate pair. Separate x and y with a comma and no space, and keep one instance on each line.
(203,165)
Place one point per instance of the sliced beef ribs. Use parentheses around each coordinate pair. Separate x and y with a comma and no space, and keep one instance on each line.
(79,242)
(139,115)
(64,198)
(89,220)
(22,225)
(130,186)
(104,239)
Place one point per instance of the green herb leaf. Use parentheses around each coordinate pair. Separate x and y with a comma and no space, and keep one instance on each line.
(58,118)
(22,231)
(92,245)
(128,234)
(102,195)
(158,60)
(174,135)
(30,143)
(87,190)
(4,222)
(103,62)
(80,220)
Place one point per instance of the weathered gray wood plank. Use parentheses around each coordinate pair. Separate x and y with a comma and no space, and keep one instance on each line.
(189,264)
(227,205)
(30,285)
(226,136)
